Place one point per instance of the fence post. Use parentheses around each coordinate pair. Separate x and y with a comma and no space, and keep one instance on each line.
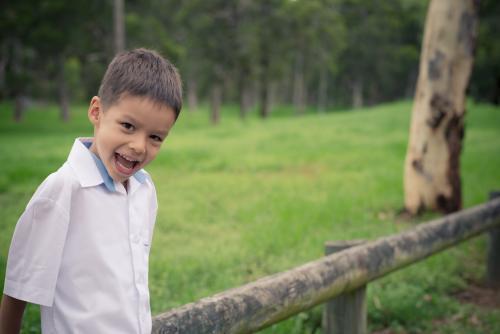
(345,313)
(493,261)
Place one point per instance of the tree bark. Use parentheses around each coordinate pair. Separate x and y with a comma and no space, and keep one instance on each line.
(192,92)
(18,85)
(244,97)
(264,99)
(299,95)
(62,89)
(432,166)
(19,107)
(4,57)
(357,93)
(216,98)
(264,85)
(323,89)
(119,25)
(496,93)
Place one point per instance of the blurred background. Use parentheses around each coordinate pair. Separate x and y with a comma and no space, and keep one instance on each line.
(334,80)
(314,54)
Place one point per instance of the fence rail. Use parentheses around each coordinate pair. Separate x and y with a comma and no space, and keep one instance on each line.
(254,306)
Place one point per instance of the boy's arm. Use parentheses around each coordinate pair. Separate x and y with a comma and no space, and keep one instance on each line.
(11,314)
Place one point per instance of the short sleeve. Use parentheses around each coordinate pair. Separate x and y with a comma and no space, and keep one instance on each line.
(35,252)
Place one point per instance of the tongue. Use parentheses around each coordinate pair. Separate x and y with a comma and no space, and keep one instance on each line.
(125,162)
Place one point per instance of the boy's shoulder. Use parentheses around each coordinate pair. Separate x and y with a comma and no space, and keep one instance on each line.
(57,187)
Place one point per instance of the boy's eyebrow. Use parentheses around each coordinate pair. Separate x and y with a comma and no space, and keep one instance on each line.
(136,121)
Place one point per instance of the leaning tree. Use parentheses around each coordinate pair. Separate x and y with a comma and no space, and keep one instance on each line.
(432,166)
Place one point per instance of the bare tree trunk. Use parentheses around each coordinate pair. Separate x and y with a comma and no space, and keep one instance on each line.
(432,167)
(496,93)
(216,98)
(18,89)
(322,89)
(298,84)
(4,57)
(264,98)
(119,25)
(264,85)
(192,92)
(19,106)
(411,83)
(62,88)
(244,97)
(357,93)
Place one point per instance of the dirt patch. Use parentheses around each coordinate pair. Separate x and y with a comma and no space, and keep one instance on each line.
(480,295)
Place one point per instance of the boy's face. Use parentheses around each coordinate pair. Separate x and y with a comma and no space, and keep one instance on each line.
(128,135)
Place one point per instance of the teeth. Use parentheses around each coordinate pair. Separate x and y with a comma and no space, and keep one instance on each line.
(128,159)
(126,162)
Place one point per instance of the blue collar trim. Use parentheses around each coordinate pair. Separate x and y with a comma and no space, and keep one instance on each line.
(106,178)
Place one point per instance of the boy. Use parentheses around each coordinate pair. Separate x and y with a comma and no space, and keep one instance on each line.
(80,249)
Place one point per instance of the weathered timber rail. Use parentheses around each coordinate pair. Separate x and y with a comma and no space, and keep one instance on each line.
(254,306)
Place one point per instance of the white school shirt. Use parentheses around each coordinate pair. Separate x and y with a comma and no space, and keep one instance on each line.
(81,251)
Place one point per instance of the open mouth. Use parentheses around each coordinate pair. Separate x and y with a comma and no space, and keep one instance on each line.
(125,165)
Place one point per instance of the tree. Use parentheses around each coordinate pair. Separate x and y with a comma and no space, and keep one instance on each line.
(432,167)
(15,57)
(38,40)
(319,37)
(272,48)
(381,57)
(119,25)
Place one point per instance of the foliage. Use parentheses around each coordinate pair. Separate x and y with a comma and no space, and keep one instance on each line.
(485,81)
(37,37)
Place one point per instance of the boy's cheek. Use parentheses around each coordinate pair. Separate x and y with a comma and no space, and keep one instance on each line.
(151,158)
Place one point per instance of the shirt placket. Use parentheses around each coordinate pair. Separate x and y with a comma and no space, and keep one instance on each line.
(139,246)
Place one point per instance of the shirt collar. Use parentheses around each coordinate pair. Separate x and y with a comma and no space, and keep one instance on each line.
(90,170)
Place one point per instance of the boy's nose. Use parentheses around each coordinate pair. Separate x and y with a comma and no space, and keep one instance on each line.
(138,145)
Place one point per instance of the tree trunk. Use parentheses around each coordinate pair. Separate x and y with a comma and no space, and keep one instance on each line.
(62,89)
(298,84)
(18,85)
(411,83)
(192,92)
(322,89)
(264,98)
(357,93)
(496,93)
(4,56)
(119,25)
(264,86)
(432,166)
(19,108)
(244,92)
(216,97)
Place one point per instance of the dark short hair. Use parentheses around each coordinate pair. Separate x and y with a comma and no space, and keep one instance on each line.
(143,73)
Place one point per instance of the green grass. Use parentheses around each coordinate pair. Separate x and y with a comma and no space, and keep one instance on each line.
(250,198)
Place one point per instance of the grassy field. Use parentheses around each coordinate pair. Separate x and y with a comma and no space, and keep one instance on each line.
(250,198)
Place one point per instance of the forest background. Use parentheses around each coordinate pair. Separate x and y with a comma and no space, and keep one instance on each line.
(314,54)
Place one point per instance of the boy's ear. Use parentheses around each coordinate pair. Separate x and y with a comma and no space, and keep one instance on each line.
(95,109)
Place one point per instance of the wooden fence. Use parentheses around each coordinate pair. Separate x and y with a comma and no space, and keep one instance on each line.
(259,304)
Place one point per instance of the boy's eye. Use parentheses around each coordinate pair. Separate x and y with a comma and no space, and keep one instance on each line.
(156,138)
(127,126)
